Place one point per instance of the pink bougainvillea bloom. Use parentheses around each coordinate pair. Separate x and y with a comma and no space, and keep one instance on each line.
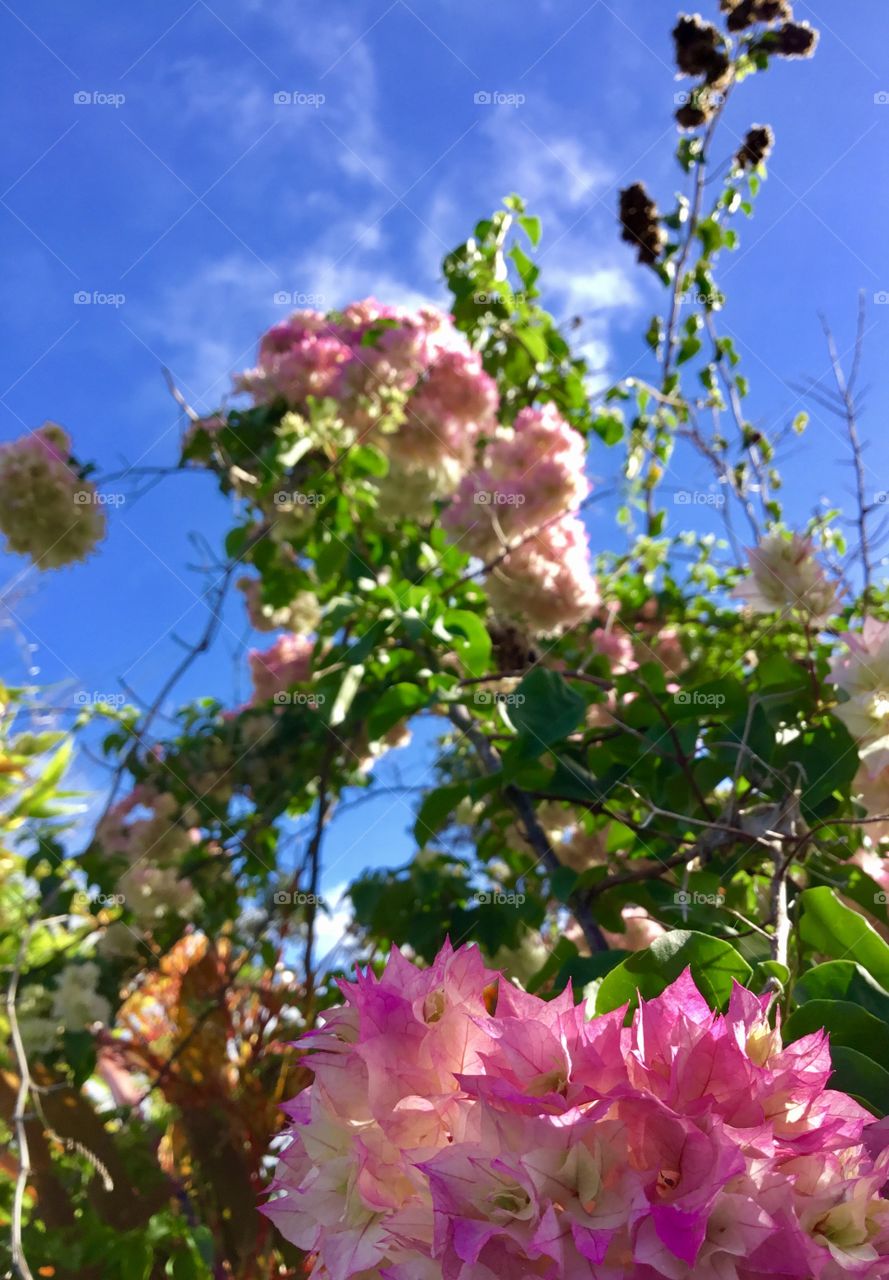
(275,670)
(546,580)
(454,405)
(529,475)
(299,357)
(784,574)
(462,1130)
(47,512)
(862,673)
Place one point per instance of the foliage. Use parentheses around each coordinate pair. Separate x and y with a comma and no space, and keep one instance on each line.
(660,755)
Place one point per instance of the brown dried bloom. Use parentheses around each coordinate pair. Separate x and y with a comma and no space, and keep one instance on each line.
(641,225)
(756,147)
(745,13)
(699,48)
(796,40)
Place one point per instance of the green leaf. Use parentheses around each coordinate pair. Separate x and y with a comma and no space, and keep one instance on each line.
(860,1076)
(827,760)
(470,639)
(829,927)
(437,807)
(545,710)
(843,980)
(562,882)
(397,703)
(350,685)
(847,1024)
(690,347)
(532,227)
(714,966)
(562,953)
(534,343)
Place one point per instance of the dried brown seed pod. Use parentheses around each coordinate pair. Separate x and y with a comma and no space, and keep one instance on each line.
(641,224)
(699,47)
(796,40)
(745,13)
(756,147)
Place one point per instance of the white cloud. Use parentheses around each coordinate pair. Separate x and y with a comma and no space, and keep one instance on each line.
(331,927)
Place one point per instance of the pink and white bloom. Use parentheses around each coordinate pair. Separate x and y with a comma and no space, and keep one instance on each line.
(530,475)
(862,673)
(275,670)
(785,575)
(47,512)
(546,580)
(460,1128)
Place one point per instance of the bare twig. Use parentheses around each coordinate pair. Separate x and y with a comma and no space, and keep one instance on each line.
(846,393)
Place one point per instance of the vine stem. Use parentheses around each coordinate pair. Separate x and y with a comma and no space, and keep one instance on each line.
(534,832)
(23,1094)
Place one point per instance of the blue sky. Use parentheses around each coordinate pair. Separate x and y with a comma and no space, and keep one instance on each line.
(179,185)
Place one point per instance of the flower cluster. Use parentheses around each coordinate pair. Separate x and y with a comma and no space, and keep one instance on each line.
(275,670)
(74,1003)
(530,475)
(148,828)
(406,379)
(515,508)
(409,382)
(456,1129)
(861,673)
(302,614)
(784,574)
(47,511)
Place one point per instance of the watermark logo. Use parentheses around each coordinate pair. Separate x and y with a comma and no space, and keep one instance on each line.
(694,698)
(686,899)
(296,298)
(698,498)
(83,901)
(95,98)
(685,99)
(298,499)
(495,98)
(91,497)
(296,98)
(491,697)
(500,899)
(881,298)
(715,299)
(285,699)
(95,699)
(95,298)
(496,498)
(283,897)
(882,98)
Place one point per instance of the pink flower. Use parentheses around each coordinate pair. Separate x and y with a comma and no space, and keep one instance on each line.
(450,409)
(530,475)
(784,574)
(614,643)
(276,669)
(546,580)
(298,358)
(862,673)
(448,1136)
(47,512)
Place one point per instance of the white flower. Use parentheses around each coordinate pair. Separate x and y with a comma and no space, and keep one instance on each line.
(862,672)
(784,574)
(76,1002)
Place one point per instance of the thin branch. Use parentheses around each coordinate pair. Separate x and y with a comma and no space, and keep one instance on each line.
(534,833)
(846,394)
